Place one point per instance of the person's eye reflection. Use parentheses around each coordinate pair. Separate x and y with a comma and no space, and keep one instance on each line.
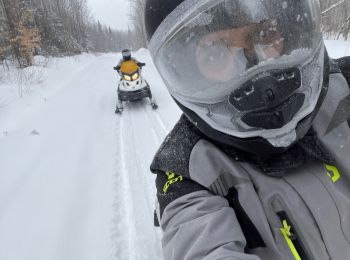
(222,55)
(216,62)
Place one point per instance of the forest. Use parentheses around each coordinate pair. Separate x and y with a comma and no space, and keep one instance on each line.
(54,28)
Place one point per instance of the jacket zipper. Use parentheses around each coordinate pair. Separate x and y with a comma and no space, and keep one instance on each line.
(292,239)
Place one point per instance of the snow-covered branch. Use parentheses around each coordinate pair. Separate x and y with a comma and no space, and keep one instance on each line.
(343,27)
(347,21)
(332,7)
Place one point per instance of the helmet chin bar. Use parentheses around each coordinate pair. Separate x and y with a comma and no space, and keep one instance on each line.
(269,100)
(259,145)
(277,117)
(256,145)
(266,90)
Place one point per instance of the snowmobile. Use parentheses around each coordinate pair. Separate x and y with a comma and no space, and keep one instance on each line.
(132,86)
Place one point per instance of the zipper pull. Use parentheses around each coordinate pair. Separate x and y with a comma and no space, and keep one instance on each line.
(289,237)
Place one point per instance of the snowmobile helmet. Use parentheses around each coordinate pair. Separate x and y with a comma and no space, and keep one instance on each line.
(156,11)
(251,74)
(126,54)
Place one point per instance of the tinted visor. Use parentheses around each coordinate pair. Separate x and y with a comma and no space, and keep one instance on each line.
(217,45)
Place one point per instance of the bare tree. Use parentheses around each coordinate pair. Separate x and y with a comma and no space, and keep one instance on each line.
(332,7)
(336,18)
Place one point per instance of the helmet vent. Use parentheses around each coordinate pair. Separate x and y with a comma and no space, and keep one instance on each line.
(266,90)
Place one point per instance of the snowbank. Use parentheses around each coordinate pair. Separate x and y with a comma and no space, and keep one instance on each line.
(337,49)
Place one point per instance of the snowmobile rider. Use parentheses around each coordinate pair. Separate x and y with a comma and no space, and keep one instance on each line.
(132,86)
(258,165)
(127,59)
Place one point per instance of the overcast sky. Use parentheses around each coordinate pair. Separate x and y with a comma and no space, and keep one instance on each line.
(112,13)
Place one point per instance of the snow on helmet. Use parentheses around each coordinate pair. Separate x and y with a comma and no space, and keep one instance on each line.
(126,54)
(247,73)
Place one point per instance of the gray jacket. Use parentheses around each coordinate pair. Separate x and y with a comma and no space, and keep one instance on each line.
(212,205)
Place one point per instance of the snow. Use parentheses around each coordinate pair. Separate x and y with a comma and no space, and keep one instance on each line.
(74,177)
(337,49)
(284,5)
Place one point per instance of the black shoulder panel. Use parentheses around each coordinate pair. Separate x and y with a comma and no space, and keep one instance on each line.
(344,66)
(171,164)
(333,67)
(174,153)
(171,187)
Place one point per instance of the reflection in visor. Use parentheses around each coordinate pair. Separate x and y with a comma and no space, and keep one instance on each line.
(222,55)
(220,43)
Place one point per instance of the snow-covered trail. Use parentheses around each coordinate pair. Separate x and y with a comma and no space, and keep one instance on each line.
(74,177)
(139,138)
(137,193)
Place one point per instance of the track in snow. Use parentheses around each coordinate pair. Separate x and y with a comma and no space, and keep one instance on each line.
(141,130)
(138,139)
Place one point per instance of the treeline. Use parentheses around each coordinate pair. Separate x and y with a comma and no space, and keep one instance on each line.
(55,28)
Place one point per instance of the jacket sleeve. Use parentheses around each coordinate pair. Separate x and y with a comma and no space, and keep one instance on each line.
(118,67)
(197,224)
(140,64)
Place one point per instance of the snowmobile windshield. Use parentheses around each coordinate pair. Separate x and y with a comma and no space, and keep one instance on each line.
(129,67)
(204,50)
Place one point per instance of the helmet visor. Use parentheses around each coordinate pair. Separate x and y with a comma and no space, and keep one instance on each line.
(211,48)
